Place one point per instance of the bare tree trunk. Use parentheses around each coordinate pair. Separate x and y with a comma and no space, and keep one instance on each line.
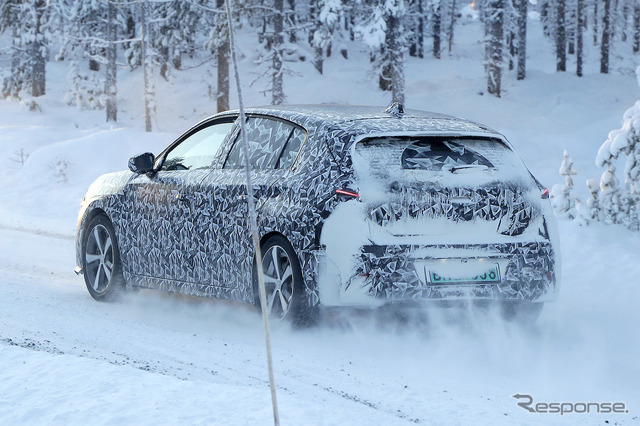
(110,83)
(625,20)
(579,38)
(595,23)
(561,38)
(37,53)
(149,92)
(385,77)
(493,24)
(395,60)
(163,51)
(437,18)
(352,24)
(606,30)
(292,32)
(512,48)
(130,28)
(522,38)
(451,25)
(636,28)
(571,30)
(93,64)
(392,73)
(277,94)
(416,48)
(176,60)
(420,40)
(318,59)
(222,97)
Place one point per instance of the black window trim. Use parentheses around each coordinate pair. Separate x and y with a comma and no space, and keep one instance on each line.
(212,121)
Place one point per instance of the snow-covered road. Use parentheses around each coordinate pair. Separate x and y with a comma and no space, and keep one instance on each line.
(155,358)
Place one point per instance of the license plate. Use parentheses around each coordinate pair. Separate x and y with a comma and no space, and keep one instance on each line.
(489,276)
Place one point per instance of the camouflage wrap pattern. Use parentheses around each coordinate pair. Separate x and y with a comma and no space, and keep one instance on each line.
(188,231)
(529,274)
(507,205)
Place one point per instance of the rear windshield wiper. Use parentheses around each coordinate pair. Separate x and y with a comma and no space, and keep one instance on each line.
(454,169)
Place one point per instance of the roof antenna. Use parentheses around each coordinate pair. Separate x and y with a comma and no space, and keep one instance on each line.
(253,220)
(396,109)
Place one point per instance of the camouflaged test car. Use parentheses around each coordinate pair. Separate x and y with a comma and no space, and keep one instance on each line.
(357,206)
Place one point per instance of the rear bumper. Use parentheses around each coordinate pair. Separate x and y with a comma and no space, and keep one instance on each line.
(396,273)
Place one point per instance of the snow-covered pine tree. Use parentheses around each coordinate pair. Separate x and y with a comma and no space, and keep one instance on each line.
(177,23)
(326,25)
(14,80)
(28,21)
(622,19)
(591,211)
(621,205)
(83,40)
(90,31)
(271,36)
(381,28)
(611,198)
(563,199)
(140,18)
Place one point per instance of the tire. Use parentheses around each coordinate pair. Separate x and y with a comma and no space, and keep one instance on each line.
(101,259)
(521,312)
(284,285)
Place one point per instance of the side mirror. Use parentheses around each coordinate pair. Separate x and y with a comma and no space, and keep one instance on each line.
(142,163)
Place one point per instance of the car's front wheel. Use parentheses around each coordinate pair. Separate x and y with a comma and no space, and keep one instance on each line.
(101,259)
(284,286)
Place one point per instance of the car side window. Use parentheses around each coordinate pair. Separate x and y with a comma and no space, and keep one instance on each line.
(267,138)
(291,148)
(197,150)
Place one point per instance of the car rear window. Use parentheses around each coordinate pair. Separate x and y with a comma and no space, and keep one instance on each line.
(460,160)
(437,154)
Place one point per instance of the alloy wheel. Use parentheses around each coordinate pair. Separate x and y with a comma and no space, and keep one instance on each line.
(99,258)
(278,279)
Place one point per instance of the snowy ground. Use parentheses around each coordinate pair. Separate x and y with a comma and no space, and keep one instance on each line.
(153,358)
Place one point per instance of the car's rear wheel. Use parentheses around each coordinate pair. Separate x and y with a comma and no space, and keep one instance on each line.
(284,286)
(101,259)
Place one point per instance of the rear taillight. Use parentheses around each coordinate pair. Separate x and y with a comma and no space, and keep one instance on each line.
(545,194)
(347,192)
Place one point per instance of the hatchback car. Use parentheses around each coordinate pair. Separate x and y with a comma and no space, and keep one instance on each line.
(356,206)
